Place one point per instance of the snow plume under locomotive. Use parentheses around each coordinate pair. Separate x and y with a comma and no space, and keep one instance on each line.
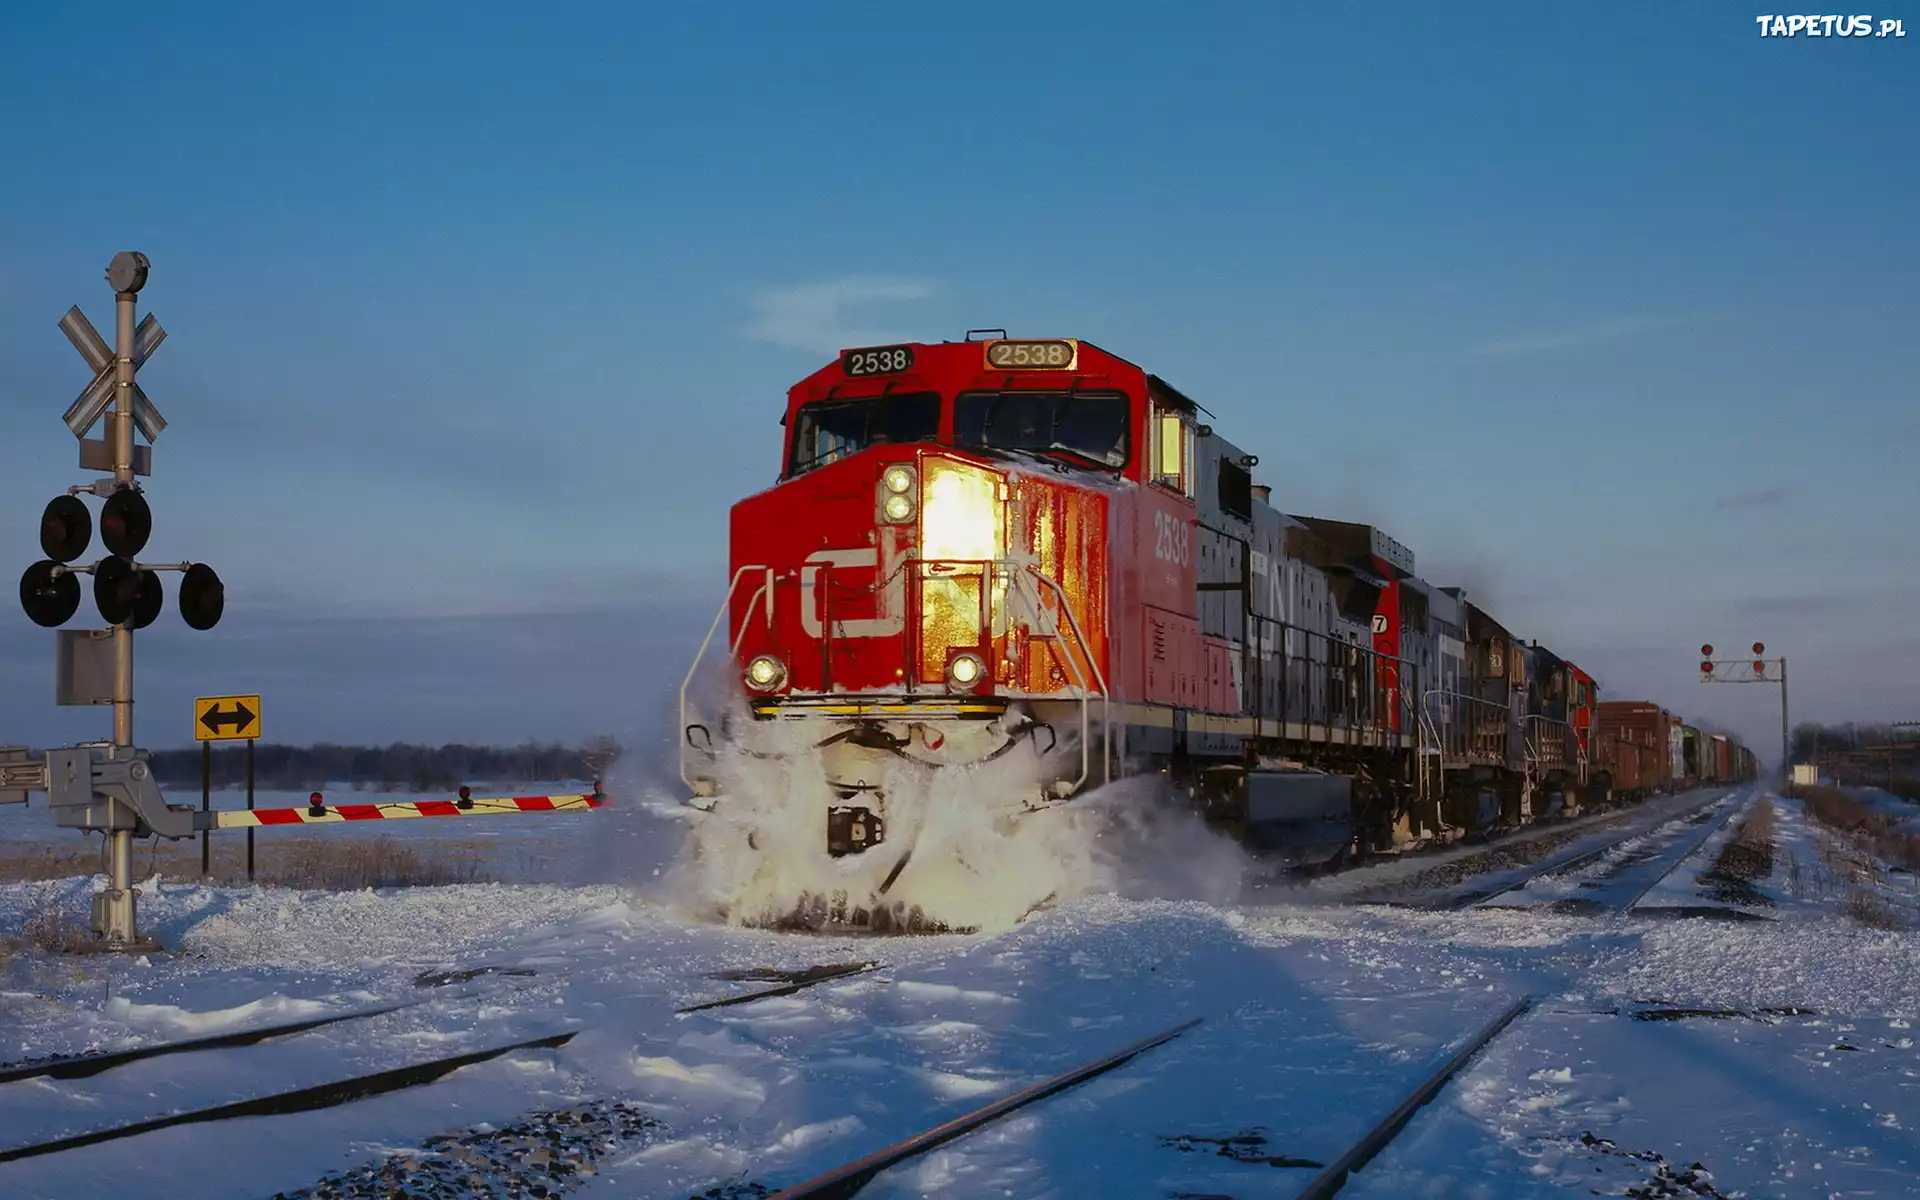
(997,577)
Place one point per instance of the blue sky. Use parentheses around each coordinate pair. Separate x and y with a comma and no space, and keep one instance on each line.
(481,315)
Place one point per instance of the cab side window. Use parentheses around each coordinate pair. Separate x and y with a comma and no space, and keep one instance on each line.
(1172,452)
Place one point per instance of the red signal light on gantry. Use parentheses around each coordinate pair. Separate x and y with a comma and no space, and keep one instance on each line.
(1759,648)
(1706,651)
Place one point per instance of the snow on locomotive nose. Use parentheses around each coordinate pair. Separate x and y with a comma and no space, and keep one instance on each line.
(926,585)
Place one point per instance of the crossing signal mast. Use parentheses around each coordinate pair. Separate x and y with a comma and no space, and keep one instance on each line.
(1758,669)
(108,786)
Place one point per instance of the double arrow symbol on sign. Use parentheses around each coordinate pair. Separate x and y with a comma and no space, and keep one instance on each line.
(239,718)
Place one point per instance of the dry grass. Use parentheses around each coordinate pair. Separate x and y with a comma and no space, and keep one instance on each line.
(1860,844)
(366,863)
(1745,860)
(1870,910)
(37,864)
(311,863)
(1748,854)
(66,927)
(53,928)
(1874,831)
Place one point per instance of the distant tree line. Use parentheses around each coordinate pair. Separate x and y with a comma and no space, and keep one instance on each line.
(400,766)
(1882,755)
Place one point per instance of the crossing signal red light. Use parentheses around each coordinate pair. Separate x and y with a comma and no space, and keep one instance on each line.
(1759,648)
(50,600)
(147,601)
(1706,651)
(66,527)
(126,523)
(1706,668)
(1759,668)
(116,589)
(202,597)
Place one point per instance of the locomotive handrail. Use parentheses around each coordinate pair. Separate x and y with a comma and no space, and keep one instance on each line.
(733,585)
(1106,701)
(1014,571)
(1535,739)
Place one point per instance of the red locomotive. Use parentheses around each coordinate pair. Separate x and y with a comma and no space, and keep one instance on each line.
(1033,546)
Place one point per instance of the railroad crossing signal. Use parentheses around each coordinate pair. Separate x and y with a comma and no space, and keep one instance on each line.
(127,592)
(226,718)
(109,785)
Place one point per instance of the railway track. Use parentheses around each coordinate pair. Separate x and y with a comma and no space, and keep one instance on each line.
(358,1087)
(845,1182)
(1625,883)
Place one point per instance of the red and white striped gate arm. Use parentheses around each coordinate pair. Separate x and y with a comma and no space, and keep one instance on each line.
(478,806)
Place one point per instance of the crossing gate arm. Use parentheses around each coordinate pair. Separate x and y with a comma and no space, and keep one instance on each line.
(331,814)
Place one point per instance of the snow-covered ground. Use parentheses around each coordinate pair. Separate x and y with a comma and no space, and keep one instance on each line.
(1317,1018)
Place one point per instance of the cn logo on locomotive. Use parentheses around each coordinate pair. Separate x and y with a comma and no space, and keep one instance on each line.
(893,598)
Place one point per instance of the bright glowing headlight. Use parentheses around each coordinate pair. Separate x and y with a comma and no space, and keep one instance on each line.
(897,508)
(899,480)
(765,672)
(965,670)
(962,518)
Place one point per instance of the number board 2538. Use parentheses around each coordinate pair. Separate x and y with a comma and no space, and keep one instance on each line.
(877,360)
(1051,354)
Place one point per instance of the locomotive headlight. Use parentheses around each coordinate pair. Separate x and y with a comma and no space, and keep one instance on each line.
(765,672)
(897,508)
(899,480)
(961,521)
(965,670)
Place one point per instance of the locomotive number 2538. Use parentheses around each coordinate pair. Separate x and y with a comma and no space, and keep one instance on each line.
(879,360)
(1172,538)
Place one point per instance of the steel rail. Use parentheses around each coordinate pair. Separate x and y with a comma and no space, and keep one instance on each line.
(788,988)
(81,1066)
(850,1179)
(1556,866)
(326,1095)
(1331,1180)
(1693,847)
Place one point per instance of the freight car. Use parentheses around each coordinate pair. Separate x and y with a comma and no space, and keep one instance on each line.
(1636,757)
(1033,546)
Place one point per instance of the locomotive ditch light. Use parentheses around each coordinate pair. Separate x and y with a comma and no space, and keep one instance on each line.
(202,597)
(765,672)
(148,600)
(66,528)
(966,671)
(126,523)
(50,599)
(116,589)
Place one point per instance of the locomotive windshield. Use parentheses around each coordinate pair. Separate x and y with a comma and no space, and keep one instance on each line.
(1087,426)
(832,429)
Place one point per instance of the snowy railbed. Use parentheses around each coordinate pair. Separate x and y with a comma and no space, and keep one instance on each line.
(1317,1020)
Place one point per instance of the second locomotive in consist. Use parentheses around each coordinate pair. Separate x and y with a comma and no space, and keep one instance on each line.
(1033,546)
